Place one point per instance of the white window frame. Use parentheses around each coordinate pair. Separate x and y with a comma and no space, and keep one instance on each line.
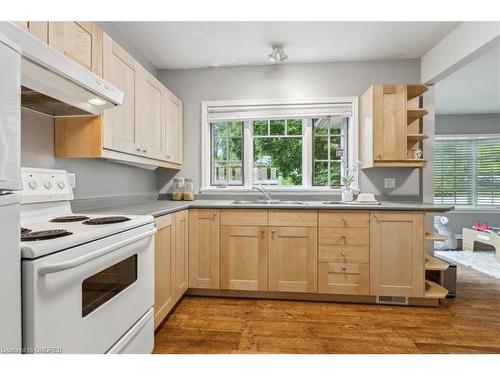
(474,207)
(307,157)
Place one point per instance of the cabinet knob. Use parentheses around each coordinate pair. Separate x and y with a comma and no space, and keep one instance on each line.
(344,220)
(272,233)
(342,253)
(145,151)
(343,268)
(214,214)
(376,217)
(168,156)
(262,232)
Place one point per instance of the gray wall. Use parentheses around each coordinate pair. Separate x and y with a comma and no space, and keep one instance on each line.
(479,123)
(94,178)
(286,81)
(488,123)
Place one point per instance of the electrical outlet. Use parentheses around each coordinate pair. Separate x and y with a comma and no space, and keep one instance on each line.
(72,179)
(389,183)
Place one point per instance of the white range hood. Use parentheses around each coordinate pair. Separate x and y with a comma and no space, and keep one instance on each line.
(52,83)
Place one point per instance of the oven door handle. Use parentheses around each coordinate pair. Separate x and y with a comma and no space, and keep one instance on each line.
(62,266)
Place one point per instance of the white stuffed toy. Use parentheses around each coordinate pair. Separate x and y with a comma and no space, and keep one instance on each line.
(440,223)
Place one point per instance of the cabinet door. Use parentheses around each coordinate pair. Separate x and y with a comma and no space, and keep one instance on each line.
(80,41)
(389,123)
(174,128)
(397,254)
(293,259)
(181,242)
(121,132)
(40,29)
(204,241)
(164,299)
(150,112)
(243,258)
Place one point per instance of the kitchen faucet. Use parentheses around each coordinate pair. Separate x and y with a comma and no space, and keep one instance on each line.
(266,193)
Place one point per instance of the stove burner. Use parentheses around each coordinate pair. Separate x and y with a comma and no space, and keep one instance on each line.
(69,219)
(106,220)
(45,235)
(25,230)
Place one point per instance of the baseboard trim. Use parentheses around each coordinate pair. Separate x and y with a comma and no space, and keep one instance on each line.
(342,298)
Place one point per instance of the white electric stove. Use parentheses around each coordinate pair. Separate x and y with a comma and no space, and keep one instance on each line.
(88,280)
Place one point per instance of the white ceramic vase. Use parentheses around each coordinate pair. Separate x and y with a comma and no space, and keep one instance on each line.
(347,195)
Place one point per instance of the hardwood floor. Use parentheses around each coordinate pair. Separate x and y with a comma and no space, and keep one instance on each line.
(469,323)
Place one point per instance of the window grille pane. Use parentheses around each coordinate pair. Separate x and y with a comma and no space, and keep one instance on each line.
(227,153)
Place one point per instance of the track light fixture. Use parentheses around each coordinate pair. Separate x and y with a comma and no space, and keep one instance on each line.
(278,55)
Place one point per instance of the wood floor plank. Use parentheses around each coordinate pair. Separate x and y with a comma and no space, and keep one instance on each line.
(468,324)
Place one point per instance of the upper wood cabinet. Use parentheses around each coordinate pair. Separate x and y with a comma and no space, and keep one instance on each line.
(389,123)
(78,40)
(164,291)
(204,248)
(150,114)
(40,29)
(397,254)
(121,128)
(145,129)
(173,128)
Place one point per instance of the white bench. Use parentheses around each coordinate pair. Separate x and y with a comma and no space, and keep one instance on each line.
(470,236)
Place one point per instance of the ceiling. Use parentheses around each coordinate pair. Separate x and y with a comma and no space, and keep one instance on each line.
(184,45)
(475,88)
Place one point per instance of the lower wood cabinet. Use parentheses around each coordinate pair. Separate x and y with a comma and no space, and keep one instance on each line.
(293,259)
(171,262)
(397,262)
(243,258)
(164,242)
(344,278)
(204,252)
(181,251)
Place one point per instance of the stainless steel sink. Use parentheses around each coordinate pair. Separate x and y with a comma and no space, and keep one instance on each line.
(273,201)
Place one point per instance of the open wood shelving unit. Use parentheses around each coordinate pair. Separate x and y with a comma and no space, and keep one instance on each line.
(434,264)
(414,114)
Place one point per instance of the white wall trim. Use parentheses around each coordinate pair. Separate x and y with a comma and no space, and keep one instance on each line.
(205,141)
(467,41)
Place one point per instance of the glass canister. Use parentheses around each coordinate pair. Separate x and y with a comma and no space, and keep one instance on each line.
(189,190)
(178,189)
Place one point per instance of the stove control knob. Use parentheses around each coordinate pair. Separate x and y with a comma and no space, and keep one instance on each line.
(61,184)
(47,184)
(32,184)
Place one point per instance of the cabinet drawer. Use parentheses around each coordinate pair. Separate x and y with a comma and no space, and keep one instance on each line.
(245,217)
(293,218)
(344,254)
(344,236)
(343,278)
(344,219)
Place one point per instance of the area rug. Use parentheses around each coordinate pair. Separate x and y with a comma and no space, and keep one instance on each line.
(482,261)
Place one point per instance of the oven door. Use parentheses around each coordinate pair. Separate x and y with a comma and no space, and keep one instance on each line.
(84,299)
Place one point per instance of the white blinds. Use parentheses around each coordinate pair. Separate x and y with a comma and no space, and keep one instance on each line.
(467,171)
(487,171)
(244,112)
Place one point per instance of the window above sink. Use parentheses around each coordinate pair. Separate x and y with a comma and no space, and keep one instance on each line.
(283,145)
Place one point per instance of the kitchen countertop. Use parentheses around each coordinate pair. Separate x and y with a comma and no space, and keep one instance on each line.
(163,207)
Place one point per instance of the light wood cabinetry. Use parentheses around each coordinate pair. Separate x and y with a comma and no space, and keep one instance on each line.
(204,248)
(40,29)
(243,259)
(293,259)
(145,129)
(181,250)
(390,127)
(343,252)
(397,254)
(120,125)
(173,109)
(164,240)
(78,40)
